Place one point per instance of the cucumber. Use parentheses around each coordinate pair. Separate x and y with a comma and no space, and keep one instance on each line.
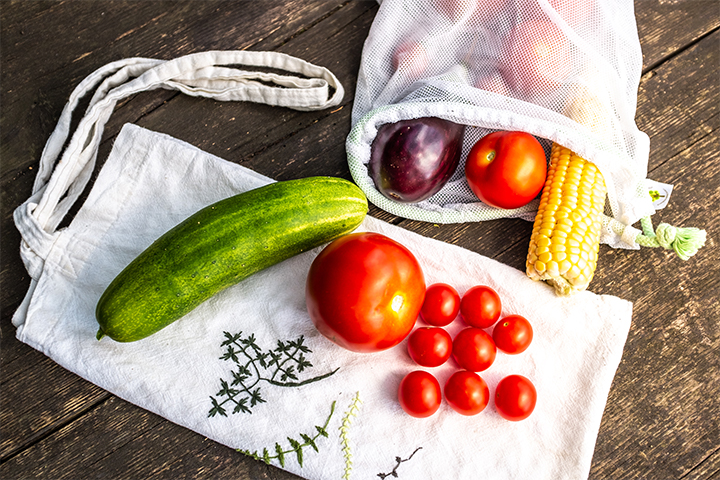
(223,244)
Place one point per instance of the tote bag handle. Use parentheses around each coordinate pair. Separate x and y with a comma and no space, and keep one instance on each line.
(213,74)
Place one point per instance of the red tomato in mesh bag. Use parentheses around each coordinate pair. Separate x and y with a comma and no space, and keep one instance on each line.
(456,10)
(573,12)
(537,58)
(506,169)
(364,292)
(412,57)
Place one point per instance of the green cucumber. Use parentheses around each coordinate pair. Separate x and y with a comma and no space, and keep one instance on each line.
(223,244)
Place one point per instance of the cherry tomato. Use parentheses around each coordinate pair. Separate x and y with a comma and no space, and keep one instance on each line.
(506,169)
(480,306)
(467,393)
(441,305)
(515,398)
(430,346)
(419,394)
(364,292)
(474,349)
(537,58)
(513,334)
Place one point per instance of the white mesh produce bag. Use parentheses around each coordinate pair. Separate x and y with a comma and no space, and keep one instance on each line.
(563,70)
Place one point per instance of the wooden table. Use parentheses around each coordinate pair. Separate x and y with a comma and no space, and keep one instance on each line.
(663,411)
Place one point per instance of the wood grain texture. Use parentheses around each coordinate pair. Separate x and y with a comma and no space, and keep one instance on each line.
(661,418)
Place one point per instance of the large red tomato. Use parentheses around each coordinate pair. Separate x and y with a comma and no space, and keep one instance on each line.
(364,292)
(506,169)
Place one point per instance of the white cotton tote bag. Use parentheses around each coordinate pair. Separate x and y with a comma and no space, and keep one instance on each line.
(327,413)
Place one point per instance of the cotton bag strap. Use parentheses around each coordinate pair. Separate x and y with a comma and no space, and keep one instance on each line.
(210,74)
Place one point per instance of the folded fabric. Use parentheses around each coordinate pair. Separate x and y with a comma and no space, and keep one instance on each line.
(319,411)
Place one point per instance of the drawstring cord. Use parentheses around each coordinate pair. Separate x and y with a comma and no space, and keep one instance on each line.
(685,241)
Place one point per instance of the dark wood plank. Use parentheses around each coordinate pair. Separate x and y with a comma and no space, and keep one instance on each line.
(53,403)
(243,132)
(709,468)
(69,395)
(678,107)
(208,117)
(658,422)
(664,398)
(112,30)
(666,27)
(120,440)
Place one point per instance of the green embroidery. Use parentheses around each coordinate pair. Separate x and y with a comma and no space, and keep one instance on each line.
(344,428)
(277,367)
(295,446)
(398,461)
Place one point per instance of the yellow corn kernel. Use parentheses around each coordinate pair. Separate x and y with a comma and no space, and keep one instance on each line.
(566,232)
(565,266)
(545,257)
(542,241)
(557,247)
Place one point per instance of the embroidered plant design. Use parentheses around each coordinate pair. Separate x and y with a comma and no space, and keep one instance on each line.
(295,445)
(398,461)
(344,429)
(279,367)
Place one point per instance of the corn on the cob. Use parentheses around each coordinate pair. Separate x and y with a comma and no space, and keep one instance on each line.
(566,233)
